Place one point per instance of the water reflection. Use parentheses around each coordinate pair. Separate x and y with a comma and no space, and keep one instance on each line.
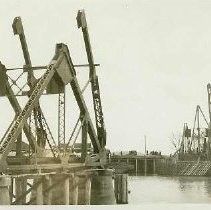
(154,189)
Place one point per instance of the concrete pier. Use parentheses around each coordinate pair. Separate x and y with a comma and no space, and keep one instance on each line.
(102,190)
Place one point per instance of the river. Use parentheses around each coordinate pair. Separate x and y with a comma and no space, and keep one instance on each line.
(160,189)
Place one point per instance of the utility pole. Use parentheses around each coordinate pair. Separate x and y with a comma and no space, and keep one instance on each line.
(145,144)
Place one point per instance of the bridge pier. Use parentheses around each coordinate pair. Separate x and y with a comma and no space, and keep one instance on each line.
(86,187)
(102,191)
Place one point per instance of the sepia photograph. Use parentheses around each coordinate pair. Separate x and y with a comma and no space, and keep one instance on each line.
(105,102)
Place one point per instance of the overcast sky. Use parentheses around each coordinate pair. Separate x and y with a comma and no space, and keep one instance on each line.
(154,55)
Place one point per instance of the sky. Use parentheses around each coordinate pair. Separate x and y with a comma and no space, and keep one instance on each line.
(154,56)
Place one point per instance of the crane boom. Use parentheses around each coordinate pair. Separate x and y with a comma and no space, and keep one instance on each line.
(101,131)
(39,118)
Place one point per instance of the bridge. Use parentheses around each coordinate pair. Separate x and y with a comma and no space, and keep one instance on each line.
(38,168)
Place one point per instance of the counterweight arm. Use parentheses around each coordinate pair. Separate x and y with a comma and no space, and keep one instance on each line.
(101,131)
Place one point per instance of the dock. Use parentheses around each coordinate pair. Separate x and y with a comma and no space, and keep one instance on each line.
(142,164)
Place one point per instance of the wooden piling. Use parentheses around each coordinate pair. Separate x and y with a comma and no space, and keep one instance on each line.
(5,182)
(145,166)
(87,191)
(136,168)
(84,188)
(121,188)
(20,189)
(74,191)
(154,166)
(48,194)
(39,196)
(66,191)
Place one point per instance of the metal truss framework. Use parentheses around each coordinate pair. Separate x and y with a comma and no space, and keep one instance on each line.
(59,73)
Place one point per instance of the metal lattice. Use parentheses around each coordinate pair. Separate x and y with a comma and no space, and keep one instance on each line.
(61,119)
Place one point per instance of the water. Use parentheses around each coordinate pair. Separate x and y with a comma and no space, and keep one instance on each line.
(159,189)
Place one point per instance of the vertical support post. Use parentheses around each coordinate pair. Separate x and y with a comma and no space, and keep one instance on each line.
(20,188)
(48,194)
(66,191)
(82,178)
(39,197)
(154,166)
(84,140)
(87,191)
(11,189)
(127,160)
(4,190)
(145,166)
(75,190)
(121,188)
(136,168)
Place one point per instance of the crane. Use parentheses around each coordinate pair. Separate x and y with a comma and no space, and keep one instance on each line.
(209,126)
